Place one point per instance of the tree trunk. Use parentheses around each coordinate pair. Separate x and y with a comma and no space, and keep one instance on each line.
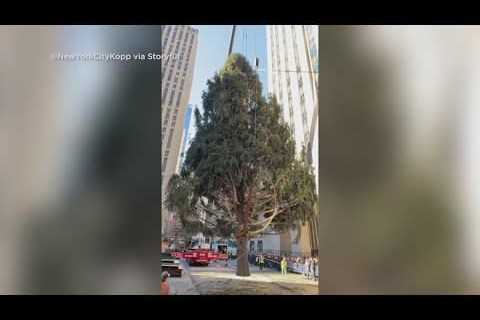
(243,269)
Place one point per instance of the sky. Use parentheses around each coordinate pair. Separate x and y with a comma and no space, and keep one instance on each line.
(213,42)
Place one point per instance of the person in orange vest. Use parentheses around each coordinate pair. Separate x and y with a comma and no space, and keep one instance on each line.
(164,286)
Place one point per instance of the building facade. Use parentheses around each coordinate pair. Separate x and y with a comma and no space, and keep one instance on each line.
(292,53)
(186,136)
(179,47)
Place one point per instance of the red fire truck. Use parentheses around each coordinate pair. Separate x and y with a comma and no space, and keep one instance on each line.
(200,256)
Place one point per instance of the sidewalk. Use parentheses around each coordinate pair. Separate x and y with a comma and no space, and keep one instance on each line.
(184,285)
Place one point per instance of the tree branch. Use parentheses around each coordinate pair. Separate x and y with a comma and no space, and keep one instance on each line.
(270,219)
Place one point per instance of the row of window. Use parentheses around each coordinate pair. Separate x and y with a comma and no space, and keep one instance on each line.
(173,123)
(172,80)
(300,87)
(313,51)
(287,74)
(166,118)
(177,48)
(167,148)
(164,164)
(277,32)
(278,62)
(165,35)
(177,75)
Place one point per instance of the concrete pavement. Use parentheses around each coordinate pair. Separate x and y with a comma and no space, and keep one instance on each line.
(183,285)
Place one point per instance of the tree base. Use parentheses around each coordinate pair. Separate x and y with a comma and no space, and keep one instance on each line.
(243,267)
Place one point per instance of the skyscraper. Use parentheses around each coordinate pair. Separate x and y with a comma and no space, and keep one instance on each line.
(185,136)
(179,46)
(292,52)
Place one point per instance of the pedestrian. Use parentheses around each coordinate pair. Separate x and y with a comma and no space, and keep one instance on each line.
(315,269)
(312,268)
(309,259)
(306,267)
(310,263)
(283,265)
(302,265)
(261,262)
(164,286)
(297,264)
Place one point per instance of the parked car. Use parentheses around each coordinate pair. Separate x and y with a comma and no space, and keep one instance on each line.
(171,265)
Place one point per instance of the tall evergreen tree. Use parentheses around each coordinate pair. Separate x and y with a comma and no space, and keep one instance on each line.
(241,176)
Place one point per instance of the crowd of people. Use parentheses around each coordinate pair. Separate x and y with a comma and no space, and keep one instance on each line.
(307,266)
(260,261)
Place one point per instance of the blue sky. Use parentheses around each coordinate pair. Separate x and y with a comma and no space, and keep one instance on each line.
(213,42)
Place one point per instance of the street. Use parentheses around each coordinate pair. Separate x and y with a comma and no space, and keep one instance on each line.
(217,279)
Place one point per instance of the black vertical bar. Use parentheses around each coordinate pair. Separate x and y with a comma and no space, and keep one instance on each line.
(231,40)
(161,155)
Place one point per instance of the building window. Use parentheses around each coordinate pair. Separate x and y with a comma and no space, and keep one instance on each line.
(178,99)
(164,164)
(260,246)
(170,101)
(165,121)
(169,143)
(164,95)
(174,34)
